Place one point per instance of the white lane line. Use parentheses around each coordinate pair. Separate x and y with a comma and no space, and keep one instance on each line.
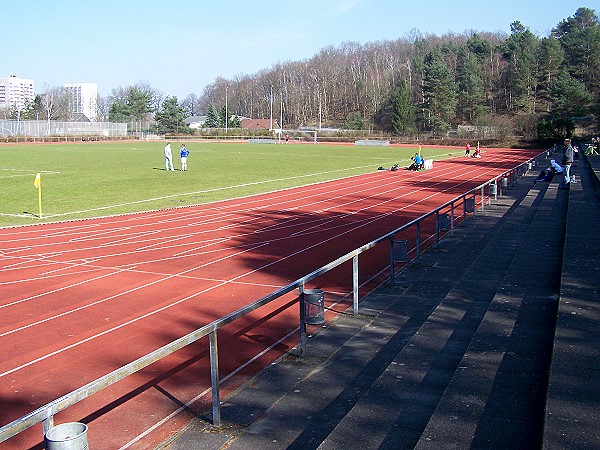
(129,322)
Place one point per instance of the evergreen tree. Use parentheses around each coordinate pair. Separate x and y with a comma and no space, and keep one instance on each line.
(520,53)
(354,121)
(33,110)
(471,89)
(134,103)
(119,112)
(171,117)
(550,59)
(403,111)
(235,122)
(232,121)
(213,119)
(485,53)
(439,90)
(571,98)
(579,36)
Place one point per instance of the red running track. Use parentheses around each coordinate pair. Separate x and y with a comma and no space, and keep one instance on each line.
(80,299)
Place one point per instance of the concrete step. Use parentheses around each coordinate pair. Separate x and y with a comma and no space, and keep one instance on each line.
(377,379)
(421,373)
(497,397)
(573,397)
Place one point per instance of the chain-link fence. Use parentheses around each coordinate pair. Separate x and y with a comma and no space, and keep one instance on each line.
(50,128)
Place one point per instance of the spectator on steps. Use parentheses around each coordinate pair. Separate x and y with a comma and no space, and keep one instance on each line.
(566,165)
(548,174)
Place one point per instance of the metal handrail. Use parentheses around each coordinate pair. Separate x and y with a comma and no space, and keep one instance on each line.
(45,414)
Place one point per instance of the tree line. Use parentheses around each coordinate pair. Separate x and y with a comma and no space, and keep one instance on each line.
(537,87)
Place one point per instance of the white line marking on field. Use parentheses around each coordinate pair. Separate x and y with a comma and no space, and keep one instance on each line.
(223,188)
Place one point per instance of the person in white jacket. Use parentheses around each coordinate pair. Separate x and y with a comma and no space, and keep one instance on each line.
(168,157)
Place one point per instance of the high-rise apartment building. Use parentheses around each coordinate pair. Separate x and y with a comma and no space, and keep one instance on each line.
(83,99)
(15,92)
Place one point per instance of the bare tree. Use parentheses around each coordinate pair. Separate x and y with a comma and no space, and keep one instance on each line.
(191,105)
(55,103)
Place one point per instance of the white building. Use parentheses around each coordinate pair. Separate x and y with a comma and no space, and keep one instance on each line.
(15,92)
(83,99)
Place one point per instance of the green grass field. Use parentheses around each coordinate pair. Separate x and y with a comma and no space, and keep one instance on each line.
(99,179)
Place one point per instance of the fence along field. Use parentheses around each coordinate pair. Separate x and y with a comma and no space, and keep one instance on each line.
(82,180)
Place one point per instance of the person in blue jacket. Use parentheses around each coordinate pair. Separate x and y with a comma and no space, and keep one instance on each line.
(417,162)
(183,154)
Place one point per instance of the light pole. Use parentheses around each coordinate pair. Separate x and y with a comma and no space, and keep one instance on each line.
(271,127)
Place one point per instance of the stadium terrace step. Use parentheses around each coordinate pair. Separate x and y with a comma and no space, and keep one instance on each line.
(496,398)
(451,353)
(572,419)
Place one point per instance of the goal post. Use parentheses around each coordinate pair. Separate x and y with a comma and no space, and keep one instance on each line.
(300,135)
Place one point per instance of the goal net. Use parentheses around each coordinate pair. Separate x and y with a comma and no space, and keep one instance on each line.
(299,135)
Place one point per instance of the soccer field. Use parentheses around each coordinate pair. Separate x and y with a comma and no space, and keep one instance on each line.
(84,180)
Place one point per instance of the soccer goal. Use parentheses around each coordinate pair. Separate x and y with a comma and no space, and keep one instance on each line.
(299,135)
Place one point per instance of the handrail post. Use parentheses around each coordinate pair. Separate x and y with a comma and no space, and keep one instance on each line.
(418,240)
(47,424)
(392,260)
(437,227)
(214,378)
(482,197)
(355,284)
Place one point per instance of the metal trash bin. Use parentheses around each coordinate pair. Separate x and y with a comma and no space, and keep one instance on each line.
(67,436)
(493,189)
(399,250)
(504,182)
(444,222)
(469,205)
(314,306)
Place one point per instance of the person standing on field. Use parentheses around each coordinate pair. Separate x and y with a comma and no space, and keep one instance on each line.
(183,154)
(168,157)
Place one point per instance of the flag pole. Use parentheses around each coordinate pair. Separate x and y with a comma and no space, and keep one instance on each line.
(40,200)
(38,184)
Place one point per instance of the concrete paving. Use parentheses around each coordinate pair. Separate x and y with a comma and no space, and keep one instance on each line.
(489,340)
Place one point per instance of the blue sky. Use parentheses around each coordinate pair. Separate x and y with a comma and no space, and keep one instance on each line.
(180,46)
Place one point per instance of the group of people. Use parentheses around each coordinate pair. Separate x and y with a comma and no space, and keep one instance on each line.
(564,168)
(476,152)
(183,154)
(417,162)
(594,147)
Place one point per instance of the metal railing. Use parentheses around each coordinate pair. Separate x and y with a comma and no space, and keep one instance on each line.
(45,414)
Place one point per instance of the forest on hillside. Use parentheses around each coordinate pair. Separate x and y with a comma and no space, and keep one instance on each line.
(494,85)
(537,87)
